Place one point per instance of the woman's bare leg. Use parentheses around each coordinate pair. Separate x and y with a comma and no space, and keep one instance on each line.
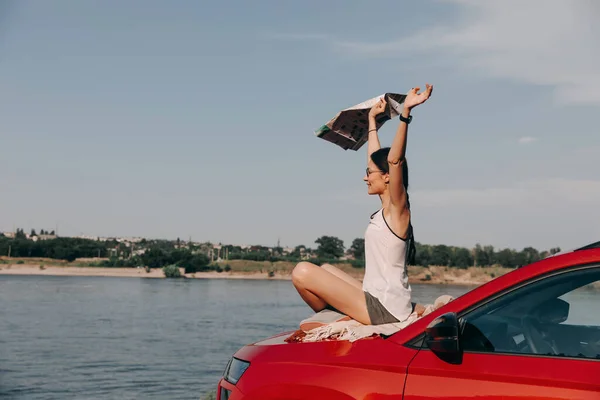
(319,288)
(342,275)
(313,301)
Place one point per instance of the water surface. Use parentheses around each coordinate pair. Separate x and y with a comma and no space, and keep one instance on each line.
(129,338)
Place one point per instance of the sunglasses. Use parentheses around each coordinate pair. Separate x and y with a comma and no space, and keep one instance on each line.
(370,172)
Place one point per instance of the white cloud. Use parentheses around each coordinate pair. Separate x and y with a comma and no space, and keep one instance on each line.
(550,43)
(547,193)
(527,140)
(539,213)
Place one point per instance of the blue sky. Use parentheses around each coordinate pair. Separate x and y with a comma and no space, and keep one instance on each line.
(187,118)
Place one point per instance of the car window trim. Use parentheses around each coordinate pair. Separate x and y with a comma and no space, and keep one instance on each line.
(417,342)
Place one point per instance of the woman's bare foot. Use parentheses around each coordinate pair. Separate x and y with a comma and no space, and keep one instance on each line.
(419,309)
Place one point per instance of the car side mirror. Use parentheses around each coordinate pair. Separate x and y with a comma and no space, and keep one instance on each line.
(553,311)
(443,338)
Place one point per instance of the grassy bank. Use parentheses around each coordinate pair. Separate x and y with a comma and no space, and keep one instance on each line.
(417,274)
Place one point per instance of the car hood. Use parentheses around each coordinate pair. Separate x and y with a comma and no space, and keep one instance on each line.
(274,340)
(276,349)
(280,339)
(284,362)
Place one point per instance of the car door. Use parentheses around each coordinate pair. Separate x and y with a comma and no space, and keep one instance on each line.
(537,340)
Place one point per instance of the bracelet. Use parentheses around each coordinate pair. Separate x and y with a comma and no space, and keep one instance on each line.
(371,130)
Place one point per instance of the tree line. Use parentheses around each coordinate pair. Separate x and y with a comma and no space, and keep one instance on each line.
(156,254)
(193,257)
(451,256)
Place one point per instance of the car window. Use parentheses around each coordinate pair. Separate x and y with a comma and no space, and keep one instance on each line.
(583,302)
(554,316)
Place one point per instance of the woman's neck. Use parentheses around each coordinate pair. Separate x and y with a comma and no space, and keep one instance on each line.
(385,199)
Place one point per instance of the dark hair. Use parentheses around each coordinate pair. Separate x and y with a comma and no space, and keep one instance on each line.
(380,158)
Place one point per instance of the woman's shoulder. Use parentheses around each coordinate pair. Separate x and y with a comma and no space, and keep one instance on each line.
(375,213)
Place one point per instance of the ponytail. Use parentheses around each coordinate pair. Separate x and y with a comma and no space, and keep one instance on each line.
(411,251)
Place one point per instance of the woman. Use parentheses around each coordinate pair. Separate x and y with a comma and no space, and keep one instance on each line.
(385,295)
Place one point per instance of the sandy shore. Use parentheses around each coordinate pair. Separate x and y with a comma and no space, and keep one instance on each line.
(34,269)
(431,275)
(54,270)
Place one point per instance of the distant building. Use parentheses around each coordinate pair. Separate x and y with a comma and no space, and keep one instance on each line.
(87,237)
(129,239)
(46,237)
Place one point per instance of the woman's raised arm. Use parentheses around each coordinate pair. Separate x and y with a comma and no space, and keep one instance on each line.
(398,149)
(373,144)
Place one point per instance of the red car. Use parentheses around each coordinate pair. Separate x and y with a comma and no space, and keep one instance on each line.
(533,333)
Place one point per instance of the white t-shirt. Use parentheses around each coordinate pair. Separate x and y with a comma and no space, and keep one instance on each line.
(386,276)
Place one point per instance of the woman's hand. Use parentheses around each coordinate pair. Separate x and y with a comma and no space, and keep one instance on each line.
(414,98)
(378,108)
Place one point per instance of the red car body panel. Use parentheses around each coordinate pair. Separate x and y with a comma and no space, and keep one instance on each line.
(386,369)
(497,376)
(357,365)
